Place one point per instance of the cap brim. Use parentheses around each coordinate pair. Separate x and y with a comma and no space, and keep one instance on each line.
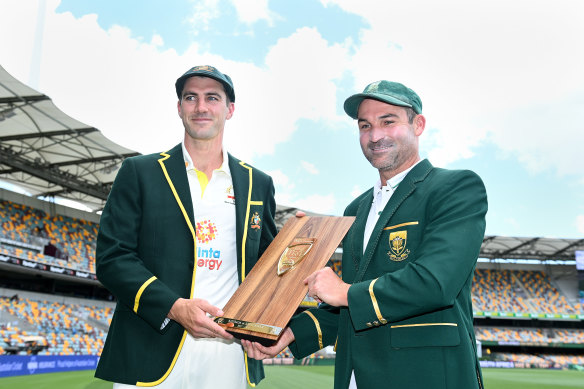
(180,83)
(352,104)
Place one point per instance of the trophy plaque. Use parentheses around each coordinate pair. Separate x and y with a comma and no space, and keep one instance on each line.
(272,291)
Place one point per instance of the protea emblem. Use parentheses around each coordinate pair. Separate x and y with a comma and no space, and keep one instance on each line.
(294,254)
(397,246)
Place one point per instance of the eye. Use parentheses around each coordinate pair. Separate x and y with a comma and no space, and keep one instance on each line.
(388,122)
(213,98)
(189,98)
(364,126)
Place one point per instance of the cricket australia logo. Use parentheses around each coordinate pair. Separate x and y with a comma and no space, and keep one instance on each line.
(397,246)
(255,221)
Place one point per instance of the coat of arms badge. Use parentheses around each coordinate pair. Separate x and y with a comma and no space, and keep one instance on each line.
(397,246)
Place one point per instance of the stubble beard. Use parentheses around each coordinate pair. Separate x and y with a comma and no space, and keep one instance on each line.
(395,157)
(200,133)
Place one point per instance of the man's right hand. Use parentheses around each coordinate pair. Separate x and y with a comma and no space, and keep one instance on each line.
(257,351)
(192,315)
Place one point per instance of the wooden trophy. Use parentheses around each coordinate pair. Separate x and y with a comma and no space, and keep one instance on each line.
(272,291)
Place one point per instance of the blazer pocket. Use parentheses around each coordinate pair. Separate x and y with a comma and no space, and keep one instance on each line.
(425,335)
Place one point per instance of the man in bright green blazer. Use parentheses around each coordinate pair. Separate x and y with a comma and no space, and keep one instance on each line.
(149,247)
(401,317)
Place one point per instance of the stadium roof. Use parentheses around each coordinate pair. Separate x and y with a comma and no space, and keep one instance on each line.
(504,247)
(48,154)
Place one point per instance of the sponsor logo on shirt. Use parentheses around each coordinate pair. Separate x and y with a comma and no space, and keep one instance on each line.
(206,231)
(207,256)
(230,199)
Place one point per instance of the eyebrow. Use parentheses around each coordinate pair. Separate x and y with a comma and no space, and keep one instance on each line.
(187,93)
(387,115)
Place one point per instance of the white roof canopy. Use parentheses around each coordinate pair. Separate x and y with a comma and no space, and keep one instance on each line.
(47,153)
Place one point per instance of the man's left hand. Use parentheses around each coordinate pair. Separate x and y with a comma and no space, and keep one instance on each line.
(325,286)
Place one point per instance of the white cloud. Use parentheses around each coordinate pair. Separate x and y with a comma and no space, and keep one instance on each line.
(125,87)
(250,12)
(281,179)
(324,204)
(483,75)
(288,196)
(272,99)
(580,223)
(157,40)
(309,167)
(356,191)
(478,68)
(203,12)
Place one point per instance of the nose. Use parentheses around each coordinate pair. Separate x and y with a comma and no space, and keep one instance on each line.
(200,106)
(376,133)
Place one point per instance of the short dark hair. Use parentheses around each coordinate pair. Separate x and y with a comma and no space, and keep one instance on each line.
(411,114)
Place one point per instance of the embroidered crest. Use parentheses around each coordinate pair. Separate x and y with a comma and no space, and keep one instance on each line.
(255,221)
(294,254)
(397,246)
(204,68)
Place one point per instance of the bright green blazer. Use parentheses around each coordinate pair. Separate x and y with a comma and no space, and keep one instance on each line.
(146,257)
(409,321)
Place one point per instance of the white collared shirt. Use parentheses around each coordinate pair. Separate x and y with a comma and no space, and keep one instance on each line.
(214,209)
(381,196)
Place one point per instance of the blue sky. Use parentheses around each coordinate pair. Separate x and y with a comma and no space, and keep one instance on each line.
(501,83)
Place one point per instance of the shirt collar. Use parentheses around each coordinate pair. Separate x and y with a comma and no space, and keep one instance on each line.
(189,162)
(393,182)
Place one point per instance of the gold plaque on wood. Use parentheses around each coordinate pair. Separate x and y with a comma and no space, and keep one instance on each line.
(294,254)
(270,294)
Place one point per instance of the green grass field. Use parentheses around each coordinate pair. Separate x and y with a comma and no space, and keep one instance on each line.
(309,377)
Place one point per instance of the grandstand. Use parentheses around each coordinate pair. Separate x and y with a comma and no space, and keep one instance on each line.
(526,311)
(525,290)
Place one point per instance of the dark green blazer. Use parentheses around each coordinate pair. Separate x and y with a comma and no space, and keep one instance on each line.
(146,257)
(409,319)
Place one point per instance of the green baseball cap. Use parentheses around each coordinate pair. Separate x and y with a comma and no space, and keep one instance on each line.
(388,92)
(206,71)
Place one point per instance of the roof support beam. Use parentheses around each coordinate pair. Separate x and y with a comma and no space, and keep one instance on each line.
(53,175)
(48,134)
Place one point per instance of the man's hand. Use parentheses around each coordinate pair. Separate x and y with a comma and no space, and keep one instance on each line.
(324,285)
(192,315)
(257,351)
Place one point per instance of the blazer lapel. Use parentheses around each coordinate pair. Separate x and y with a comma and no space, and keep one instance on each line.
(359,229)
(240,175)
(403,191)
(173,167)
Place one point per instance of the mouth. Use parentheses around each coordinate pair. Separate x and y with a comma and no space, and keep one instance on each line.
(376,148)
(200,119)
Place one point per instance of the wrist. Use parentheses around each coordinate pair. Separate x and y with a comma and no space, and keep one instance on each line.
(345,294)
(173,313)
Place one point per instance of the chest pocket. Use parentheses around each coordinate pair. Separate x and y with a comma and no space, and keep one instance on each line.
(398,243)
(255,222)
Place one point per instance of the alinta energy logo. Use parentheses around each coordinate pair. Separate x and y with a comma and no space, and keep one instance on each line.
(206,231)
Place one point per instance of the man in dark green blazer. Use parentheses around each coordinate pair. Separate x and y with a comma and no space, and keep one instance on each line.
(401,317)
(151,248)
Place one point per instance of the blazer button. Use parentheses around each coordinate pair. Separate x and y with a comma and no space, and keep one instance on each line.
(369,324)
(376,323)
